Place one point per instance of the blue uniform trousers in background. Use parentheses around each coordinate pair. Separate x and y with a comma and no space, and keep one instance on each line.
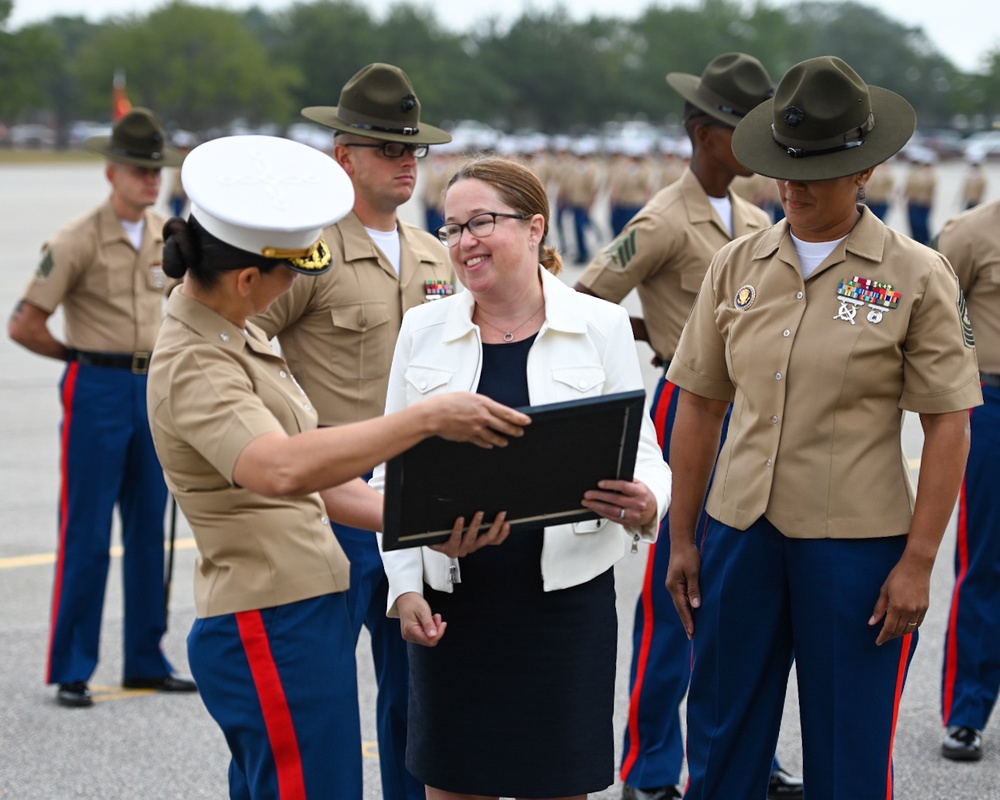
(971,677)
(107,459)
(765,599)
(366,601)
(281,682)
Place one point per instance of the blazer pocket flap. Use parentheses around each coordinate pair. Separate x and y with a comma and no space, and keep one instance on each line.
(427,379)
(589,525)
(582,379)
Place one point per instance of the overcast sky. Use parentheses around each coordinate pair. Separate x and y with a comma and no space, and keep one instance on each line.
(964,30)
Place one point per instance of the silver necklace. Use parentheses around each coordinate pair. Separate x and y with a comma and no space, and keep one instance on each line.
(508,336)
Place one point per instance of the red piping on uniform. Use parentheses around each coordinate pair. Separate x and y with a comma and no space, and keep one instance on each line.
(951,656)
(274,706)
(906,652)
(659,422)
(68,393)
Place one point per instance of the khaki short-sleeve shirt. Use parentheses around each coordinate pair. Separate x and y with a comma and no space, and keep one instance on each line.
(971,242)
(819,373)
(665,251)
(112,296)
(338,330)
(213,388)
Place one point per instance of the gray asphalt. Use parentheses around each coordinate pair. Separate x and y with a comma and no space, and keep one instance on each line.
(133,745)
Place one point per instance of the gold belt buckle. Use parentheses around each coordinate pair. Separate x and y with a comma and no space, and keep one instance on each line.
(140,362)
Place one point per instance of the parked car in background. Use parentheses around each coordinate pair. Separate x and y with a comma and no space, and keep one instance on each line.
(31,135)
(985,144)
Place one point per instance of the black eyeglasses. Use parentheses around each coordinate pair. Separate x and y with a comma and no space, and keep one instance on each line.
(394,149)
(479,226)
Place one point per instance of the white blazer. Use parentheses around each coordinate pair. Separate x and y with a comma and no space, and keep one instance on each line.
(585,348)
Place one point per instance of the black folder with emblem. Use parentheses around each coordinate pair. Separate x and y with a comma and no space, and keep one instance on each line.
(539,479)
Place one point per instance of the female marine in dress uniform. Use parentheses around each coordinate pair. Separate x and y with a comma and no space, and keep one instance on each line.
(272,649)
(821,330)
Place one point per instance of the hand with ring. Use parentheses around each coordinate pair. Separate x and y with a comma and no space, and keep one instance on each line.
(615,500)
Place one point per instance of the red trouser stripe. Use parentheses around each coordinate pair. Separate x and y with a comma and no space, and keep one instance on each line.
(68,392)
(951,656)
(660,423)
(274,706)
(904,659)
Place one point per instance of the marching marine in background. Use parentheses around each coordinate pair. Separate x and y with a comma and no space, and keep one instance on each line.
(106,271)
(338,333)
(971,671)
(664,253)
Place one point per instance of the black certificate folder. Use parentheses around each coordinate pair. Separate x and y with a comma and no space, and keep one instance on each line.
(539,479)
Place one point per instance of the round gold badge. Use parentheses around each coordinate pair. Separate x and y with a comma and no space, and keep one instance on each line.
(745,297)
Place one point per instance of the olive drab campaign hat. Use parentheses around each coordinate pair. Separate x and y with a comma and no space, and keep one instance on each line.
(138,139)
(824,122)
(269,197)
(379,102)
(730,86)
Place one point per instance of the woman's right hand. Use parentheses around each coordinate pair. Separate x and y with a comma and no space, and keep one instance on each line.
(416,622)
(471,417)
(461,544)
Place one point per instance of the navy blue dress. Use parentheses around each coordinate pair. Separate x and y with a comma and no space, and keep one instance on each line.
(517,699)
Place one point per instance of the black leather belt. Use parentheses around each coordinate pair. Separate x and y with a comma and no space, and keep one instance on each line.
(990,379)
(137,363)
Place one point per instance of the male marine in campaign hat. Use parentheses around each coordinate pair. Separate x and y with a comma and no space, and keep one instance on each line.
(105,270)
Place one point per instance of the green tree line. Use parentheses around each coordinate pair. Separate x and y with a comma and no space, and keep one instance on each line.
(201,67)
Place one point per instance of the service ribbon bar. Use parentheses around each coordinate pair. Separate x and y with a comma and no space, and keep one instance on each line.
(874,293)
(438,288)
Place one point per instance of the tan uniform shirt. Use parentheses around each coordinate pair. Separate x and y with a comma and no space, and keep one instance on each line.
(665,251)
(214,388)
(435,172)
(631,182)
(974,189)
(920,185)
(112,296)
(580,181)
(819,373)
(880,186)
(971,242)
(338,330)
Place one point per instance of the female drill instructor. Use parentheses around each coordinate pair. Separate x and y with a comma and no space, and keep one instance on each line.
(272,649)
(821,330)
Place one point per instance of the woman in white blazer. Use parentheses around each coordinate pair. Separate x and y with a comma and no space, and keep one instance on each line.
(517,700)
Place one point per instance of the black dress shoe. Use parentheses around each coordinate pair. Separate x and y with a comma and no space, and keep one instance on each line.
(168,683)
(661,793)
(74,695)
(784,786)
(962,743)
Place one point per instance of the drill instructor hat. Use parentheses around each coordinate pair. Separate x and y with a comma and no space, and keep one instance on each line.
(138,139)
(730,86)
(379,102)
(824,122)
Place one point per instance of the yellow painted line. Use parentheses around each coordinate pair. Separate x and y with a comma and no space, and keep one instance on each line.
(41,559)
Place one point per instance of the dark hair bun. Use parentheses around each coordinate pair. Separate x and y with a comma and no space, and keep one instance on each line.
(180,250)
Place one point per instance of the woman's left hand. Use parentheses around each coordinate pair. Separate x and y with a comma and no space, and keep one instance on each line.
(628,503)
(903,601)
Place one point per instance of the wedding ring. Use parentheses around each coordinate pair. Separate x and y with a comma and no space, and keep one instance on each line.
(911,623)
(621,515)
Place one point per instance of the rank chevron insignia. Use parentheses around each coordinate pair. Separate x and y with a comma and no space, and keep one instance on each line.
(622,250)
